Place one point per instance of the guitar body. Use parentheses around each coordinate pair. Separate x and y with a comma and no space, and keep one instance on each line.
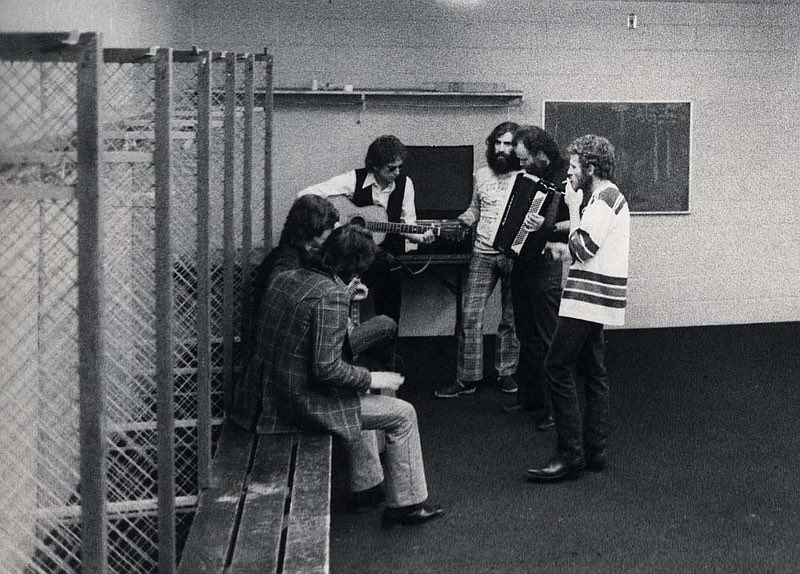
(374,218)
(349,212)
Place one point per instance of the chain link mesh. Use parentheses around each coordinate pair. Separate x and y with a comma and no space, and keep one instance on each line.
(39,442)
(40,500)
(215,234)
(183,227)
(129,385)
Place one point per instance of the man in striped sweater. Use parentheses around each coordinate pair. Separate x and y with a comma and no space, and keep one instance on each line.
(595,295)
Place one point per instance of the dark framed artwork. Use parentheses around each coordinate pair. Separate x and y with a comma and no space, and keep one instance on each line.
(652,143)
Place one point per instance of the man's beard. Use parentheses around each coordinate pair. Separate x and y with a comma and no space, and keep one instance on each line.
(501,163)
(585,183)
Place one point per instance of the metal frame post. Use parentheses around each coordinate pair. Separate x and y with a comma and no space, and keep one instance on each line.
(94,537)
(165,399)
(203,271)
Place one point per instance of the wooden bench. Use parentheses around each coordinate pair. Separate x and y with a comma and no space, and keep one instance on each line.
(267,509)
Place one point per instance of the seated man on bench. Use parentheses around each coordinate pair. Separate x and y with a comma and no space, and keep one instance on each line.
(308,223)
(301,367)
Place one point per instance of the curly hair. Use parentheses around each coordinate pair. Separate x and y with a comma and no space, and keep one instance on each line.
(309,217)
(597,151)
(498,131)
(535,139)
(348,251)
(384,150)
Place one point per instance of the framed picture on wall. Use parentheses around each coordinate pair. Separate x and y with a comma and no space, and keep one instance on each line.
(652,143)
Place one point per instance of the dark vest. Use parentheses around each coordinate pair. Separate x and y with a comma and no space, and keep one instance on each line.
(393,243)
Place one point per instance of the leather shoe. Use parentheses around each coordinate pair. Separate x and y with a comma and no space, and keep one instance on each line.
(596,462)
(556,469)
(546,424)
(507,384)
(456,390)
(514,408)
(413,514)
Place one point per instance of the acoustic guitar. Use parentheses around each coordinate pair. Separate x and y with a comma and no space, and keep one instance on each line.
(374,218)
(352,290)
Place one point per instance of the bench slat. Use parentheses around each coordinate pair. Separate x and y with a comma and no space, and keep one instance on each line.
(258,541)
(308,535)
(209,539)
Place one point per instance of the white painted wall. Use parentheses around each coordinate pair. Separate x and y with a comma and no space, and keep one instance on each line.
(734,259)
(123,23)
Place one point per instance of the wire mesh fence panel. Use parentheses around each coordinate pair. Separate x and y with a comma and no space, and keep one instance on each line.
(39,437)
(259,134)
(216,216)
(40,502)
(257,250)
(183,228)
(255,170)
(238,219)
(129,324)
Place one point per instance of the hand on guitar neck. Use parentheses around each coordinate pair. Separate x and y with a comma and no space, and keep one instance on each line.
(357,292)
(374,218)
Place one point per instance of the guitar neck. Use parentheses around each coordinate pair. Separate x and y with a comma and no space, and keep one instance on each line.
(355,306)
(392,227)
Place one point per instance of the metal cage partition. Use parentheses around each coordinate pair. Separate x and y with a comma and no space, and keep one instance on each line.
(128,183)
(51,304)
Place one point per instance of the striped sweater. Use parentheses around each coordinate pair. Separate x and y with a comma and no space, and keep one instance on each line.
(597,283)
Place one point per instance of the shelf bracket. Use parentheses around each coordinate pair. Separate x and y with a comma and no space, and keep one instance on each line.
(363,108)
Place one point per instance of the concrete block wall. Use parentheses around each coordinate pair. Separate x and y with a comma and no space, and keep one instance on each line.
(733,259)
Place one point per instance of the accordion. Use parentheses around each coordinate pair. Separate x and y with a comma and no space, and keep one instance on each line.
(529,195)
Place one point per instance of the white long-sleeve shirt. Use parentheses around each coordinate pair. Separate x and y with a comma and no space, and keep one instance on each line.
(345,184)
(597,283)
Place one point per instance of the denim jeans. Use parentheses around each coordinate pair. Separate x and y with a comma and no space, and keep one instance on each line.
(405,482)
(373,343)
(536,292)
(579,344)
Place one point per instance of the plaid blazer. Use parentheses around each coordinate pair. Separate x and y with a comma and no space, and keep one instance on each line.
(298,374)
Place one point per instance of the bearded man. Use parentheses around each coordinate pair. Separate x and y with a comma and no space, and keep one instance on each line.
(536,283)
(492,187)
(595,295)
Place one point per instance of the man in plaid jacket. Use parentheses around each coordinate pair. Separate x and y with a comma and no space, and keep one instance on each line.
(308,382)
(308,223)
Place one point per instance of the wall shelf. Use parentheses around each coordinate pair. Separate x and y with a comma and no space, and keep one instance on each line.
(361,96)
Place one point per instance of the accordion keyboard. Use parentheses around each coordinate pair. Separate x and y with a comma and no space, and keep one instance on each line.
(522,235)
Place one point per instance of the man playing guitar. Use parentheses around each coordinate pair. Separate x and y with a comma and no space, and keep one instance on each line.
(380,183)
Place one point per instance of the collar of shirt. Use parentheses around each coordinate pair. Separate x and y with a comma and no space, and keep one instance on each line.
(379,196)
(370,181)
